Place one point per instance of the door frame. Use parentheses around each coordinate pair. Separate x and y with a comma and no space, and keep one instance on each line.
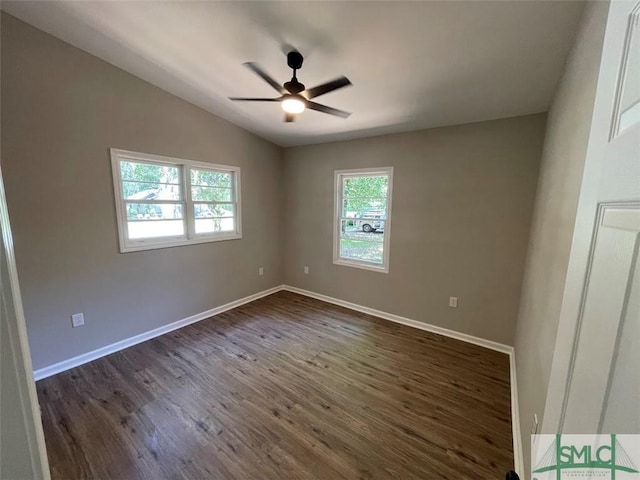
(19,346)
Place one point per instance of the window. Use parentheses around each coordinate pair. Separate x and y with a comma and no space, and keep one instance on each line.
(165,202)
(362,226)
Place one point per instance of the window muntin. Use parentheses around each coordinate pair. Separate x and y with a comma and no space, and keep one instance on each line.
(363,218)
(164,201)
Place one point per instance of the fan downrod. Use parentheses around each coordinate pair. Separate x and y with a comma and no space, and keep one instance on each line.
(294,60)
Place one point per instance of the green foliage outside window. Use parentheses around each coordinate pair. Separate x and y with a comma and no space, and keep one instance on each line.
(362,193)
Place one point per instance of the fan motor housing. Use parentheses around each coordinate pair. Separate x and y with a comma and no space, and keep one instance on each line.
(294,86)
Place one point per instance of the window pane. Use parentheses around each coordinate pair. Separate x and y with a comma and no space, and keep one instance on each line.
(162,201)
(143,172)
(364,211)
(364,207)
(211,210)
(155,228)
(361,250)
(154,211)
(369,230)
(211,225)
(374,186)
(208,178)
(150,191)
(211,194)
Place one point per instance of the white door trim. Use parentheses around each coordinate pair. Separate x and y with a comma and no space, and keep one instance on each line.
(21,353)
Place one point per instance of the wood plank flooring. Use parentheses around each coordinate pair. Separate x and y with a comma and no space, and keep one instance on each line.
(286,387)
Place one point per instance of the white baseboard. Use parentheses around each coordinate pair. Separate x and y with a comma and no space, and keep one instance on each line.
(121,345)
(143,337)
(500,347)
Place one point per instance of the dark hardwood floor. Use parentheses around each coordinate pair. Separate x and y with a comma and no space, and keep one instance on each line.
(286,387)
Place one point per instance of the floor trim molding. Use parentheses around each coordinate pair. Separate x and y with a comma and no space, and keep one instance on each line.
(500,347)
(129,342)
(143,337)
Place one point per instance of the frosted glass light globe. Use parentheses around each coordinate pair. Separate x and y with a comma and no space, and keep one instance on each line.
(293,105)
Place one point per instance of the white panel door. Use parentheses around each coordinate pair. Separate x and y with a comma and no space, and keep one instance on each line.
(594,385)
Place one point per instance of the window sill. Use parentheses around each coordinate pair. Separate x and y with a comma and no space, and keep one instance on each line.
(133,247)
(365,266)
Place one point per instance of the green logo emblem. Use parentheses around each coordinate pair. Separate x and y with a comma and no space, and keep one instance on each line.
(602,453)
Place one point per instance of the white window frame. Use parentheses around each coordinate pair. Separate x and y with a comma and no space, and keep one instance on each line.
(190,237)
(339,176)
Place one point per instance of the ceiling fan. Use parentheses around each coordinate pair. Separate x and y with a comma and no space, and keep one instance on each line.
(295,97)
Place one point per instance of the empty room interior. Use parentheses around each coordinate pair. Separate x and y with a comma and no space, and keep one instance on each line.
(319,240)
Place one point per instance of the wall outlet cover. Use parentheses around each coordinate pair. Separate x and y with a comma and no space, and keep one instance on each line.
(77,320)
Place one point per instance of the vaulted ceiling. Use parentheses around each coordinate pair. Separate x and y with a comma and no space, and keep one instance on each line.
(413,64)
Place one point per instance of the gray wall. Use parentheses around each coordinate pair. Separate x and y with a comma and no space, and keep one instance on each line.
(565,147)
(62,110)
(462,203)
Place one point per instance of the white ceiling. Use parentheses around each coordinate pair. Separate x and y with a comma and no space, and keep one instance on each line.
(413,64)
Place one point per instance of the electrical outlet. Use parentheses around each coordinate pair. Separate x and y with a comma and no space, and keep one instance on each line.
(453,302)
(260,271)
(306,270)
(77,320)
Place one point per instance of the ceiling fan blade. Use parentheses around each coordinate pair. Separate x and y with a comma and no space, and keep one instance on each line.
(265,76)
(289,117)
(327,87)
(330,110)
(246,99)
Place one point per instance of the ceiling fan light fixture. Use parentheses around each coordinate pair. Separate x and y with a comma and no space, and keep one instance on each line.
(294,97)
(293,104)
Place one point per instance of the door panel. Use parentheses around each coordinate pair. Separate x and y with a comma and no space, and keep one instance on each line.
(607,304)
(622,403)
